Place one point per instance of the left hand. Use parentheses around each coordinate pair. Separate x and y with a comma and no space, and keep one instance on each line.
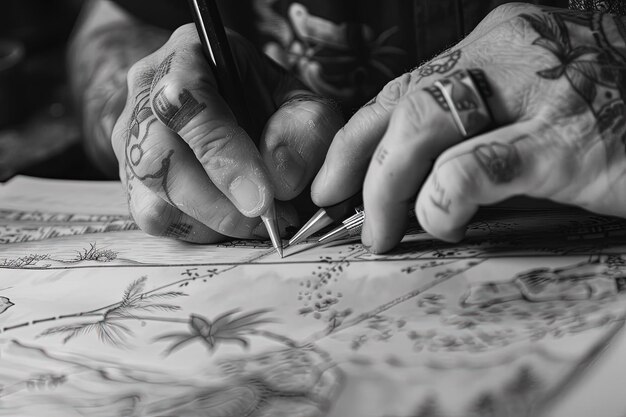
(555,84)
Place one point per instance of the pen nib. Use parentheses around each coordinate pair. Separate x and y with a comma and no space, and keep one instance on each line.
(269,219)
(319,221)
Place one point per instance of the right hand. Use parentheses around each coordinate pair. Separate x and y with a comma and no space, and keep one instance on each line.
(190,170)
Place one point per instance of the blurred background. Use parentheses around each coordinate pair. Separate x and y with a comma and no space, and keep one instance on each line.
(38,133)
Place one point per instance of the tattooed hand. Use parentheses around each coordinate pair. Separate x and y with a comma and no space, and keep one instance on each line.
(190,170)
(555,81)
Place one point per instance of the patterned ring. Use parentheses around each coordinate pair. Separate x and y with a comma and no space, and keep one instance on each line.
(460,95)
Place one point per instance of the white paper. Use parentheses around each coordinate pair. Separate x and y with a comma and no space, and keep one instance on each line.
(523,318)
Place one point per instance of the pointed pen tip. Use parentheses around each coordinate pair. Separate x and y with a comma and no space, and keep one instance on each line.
(316,223)
(269,219)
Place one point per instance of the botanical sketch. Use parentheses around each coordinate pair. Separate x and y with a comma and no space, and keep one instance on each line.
(104,322)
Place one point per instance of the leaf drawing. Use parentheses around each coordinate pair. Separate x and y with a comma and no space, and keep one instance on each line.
(225,328)
(109,329)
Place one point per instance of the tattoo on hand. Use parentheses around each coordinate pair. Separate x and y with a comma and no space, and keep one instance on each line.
(500,161)
(596,71)
(440,65)
(438,198)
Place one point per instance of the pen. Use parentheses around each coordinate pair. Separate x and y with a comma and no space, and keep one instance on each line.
(218,52)
(327,216)
(350,227)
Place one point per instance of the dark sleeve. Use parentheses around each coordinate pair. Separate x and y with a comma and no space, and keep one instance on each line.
(610,6)
(167,14)
(170,14)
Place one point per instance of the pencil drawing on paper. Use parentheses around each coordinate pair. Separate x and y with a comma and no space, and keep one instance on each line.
(120,323)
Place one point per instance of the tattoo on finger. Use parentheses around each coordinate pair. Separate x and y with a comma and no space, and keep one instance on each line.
(500,161)
(178,230)
(176,117)
(381,154)
(141,119)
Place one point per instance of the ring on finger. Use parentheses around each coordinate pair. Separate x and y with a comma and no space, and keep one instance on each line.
(460,95)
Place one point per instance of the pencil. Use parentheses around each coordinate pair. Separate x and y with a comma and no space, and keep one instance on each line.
(219,54)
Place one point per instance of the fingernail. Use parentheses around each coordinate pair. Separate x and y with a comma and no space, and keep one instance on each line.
(290,166)
(246,194)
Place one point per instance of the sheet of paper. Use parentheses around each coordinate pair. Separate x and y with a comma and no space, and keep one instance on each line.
(524,317)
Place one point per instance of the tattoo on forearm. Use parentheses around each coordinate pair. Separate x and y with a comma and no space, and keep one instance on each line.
(500,161)
(176,117)
(178,230)
(595,70)
(438,198)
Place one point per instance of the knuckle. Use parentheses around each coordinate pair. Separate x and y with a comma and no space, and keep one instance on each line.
(183,32)
(391,93)
(153,156)
(211,143)
(411,111)
(506,11)
(136,73)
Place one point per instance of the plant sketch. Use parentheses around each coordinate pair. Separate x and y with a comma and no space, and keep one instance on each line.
(224,328)
(109,327)
(336,316)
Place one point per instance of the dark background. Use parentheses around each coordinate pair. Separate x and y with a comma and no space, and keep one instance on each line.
(39,133)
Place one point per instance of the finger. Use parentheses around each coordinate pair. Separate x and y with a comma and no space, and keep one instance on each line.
(156,217)
(489,168)
(296,140)
(402,160)
(354,145)
(421,127)
(184,96)
(343,170)
(159,159)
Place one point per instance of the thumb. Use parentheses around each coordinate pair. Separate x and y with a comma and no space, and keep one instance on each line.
(296,139)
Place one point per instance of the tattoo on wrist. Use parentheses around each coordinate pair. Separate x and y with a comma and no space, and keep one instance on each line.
(500,161)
